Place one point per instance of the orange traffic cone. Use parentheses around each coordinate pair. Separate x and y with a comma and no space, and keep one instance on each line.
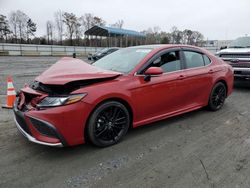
(11,94)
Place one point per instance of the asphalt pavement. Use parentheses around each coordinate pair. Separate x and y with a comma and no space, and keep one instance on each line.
(197,149)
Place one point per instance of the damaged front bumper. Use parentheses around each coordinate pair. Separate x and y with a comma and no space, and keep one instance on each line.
(25,129)
(53,126)
(32,139)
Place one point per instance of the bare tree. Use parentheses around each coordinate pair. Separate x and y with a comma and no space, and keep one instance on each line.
(197,38)
(153,35)
(118,24)
(71,21)
(21,25)
(186,36)
(31,28)
(165,37)
(156,29)
(13,23)
(22,19)
(4,28)
(49,27)
(89,20)
(18,21)
(176,35)
(59,24)
(98,21)
(78,31)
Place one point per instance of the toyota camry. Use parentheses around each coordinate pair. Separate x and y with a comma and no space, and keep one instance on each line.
(73,102)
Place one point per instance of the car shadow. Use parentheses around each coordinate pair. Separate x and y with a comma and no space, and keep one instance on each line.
(242,84)
(88,148)
(161,124)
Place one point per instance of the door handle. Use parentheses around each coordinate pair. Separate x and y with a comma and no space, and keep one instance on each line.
(181,77)
(211,71)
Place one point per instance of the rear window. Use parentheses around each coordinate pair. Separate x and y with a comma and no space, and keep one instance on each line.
(193,59)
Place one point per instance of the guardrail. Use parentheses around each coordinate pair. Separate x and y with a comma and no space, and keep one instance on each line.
(53,50)
(44,50)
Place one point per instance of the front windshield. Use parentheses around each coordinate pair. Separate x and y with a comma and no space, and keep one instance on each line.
(123,60)
(242,42)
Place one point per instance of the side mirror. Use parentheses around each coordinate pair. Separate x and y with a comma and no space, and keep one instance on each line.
(152,71)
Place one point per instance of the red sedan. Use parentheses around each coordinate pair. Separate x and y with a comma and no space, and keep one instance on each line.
(73,101)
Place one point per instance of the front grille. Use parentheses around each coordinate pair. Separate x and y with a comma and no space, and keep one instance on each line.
(20,120)
(247,73)
(43,128)
(240,64)
(235,55)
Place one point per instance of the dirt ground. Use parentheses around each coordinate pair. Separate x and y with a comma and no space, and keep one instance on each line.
(197,149)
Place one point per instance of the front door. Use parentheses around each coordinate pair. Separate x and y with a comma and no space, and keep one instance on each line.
(163,94)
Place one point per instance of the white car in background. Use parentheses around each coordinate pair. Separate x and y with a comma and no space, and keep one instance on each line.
(237,54)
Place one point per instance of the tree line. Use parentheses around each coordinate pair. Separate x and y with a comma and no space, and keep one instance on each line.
(175,36)
(68,29)
(18,28)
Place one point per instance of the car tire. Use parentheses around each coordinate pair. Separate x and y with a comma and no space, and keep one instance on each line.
(217,96)
(108,124)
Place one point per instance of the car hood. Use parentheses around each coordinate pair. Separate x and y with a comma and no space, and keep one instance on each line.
(69,70)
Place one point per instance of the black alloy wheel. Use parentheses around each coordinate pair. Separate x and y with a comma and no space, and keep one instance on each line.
(217,96)
(108,124)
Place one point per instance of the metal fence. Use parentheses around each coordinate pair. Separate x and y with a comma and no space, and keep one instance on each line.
(53,50)
(44,50)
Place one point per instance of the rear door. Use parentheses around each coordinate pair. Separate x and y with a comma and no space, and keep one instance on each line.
(198,77)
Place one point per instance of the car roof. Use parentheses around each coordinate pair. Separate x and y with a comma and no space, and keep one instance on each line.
(161,46)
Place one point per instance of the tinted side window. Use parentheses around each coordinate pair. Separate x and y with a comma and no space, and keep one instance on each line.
(206,60)
(111,51)
(193,59)
(169,62)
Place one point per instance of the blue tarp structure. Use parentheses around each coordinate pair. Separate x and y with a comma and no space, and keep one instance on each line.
(113,36)
(112,32)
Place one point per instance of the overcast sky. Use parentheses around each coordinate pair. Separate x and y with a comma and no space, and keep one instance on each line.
(215,19)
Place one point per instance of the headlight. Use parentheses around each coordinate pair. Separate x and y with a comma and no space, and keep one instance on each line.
(59,101)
